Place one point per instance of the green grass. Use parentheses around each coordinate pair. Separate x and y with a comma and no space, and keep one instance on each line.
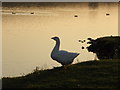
(90,74)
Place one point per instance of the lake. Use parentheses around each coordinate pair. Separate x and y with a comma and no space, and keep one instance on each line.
(27,29)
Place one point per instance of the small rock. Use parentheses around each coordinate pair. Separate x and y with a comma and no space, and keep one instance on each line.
(32,13)
(107,14)
(75,15)
(13,13)
(82,47)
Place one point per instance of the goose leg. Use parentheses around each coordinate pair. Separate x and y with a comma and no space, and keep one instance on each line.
(65,66)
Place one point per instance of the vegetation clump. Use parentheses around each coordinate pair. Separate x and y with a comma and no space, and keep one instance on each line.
(105,47)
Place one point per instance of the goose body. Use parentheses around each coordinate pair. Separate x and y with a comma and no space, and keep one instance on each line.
(62,56)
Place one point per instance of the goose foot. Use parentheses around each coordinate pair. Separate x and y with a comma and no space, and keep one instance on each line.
(66,66)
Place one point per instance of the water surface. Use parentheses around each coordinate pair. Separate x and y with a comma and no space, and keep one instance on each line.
(27,32)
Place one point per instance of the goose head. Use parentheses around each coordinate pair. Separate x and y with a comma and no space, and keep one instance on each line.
(55,38)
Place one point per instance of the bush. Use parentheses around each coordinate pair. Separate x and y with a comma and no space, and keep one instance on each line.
(105,47)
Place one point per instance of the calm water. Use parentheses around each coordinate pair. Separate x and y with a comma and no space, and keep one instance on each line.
(27,39)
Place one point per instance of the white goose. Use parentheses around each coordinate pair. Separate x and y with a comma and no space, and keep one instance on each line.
(61,56)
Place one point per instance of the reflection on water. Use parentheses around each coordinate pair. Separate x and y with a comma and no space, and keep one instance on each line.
(27,32)
(93,5)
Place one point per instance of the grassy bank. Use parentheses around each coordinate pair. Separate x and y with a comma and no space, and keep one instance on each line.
(90,74)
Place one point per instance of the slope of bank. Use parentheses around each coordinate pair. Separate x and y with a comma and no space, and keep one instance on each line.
(90,74)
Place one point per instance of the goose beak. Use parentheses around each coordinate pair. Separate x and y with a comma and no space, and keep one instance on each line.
(52,38)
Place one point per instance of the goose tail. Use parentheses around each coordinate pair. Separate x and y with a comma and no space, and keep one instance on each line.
(78,54)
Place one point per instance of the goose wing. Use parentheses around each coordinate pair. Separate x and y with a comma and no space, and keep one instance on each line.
(66,57)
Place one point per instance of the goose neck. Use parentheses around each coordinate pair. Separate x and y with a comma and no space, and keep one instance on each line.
(57,45)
